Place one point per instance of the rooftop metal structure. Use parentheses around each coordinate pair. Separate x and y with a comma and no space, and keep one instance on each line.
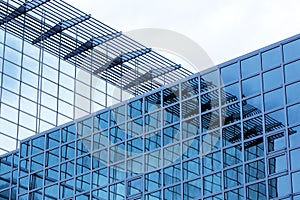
(89,44)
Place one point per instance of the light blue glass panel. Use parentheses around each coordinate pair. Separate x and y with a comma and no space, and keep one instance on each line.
(212,184)
(251,86)
(11,84)
(13,41)
(292,72)
(11,69)
(31,64)
(31,50)
(13,56)
(277,164)
(296,182)
(272,79)
(230,73)
(291,50)
(271,58)
(192,189)
(30,78)
(273,99)
(293,114)
(279,187)
(250,66)
(275,120)
(295,159)
(292,93)
(50,60)
(294,136)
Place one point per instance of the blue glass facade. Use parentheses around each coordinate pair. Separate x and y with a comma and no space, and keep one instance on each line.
(230,132)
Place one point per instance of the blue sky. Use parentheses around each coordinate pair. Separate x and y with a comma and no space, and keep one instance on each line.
(224,29)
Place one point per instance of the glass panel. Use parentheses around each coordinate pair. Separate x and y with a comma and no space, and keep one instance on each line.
(171,134)
(152,102)
(275,120)
(271,58)
(211,162)
(171,95)
(152,121)
(229,73)
(13,56)
(255,171)
(294,136)
(211,141)
(135,108)
(117,134)
(291,50)
(277,164)
(232,155)
(296,182)
(254,149)
(293,114)
(117,115)
(190,107)
(190,127)
(291,94)
(189,88)
(134,187)
(233,177)
(256,191)
(251,106)
(152,181)
(192,189)
(251,86)
(101,121)
(252,127)
(273,99)
(210,121)
(212,184)
(272,79)
(292,72)
(209,81)
(209,100)
(230,93)
(295,159)
(172,192)
(99,178)
(250,66)
(135,147)
(191,169)
(11,70)
(237,194)
(231,134)
(152,141)
(191,148)
(279,187)
(172,174)
(171,114)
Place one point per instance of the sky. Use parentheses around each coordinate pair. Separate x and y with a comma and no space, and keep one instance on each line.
(225,29)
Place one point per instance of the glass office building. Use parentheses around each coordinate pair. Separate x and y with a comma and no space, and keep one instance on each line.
(58,63)
(229,132)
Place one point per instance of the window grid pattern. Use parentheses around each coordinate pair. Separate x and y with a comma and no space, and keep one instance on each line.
(226,144)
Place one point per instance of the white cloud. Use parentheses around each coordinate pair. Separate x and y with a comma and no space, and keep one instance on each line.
(225,29)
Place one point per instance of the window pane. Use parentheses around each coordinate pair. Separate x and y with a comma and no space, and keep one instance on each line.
(255,171)
(251,86)
(277,164)
(233,177)
(276,142)
(209,81)
(273,99)
(279,187)
(272,79)
(254,149)
(275,120)
(271,58)
(291,50)
(293,114)
(296,182)
(229,73)
(291,94)
(250,66)
(292,72)
(294,136)
(295,159)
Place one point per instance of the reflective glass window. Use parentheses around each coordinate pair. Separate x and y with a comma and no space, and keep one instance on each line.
(171,114)
(233,177)
(277,164)
(230,93)
(171,134)
(231,134)
(135,108)
(291,50)
(134,147)
(152,141)
(210,142)
(294,136)
(255,171)
(276,142)
(117,153)
(173,192)
(252,127)
(152,102)
(237,194)
(292,72)
(171,95)
(279,186)
(189,88)
(232,155)
(99,178)
(192,189)
(171,154)
(209,100)
(117,115)
(135,127)
(296,182)
(272,79)
(191,148)
(12,69)
(295,159)
(190,107)
(250,66)
(256,191)
(251,86)
(293,114)
(271,58)
(31,50)
(212,183)
(153,121)
(229,73)
(252,106)
(117,134)
(101,121)
(172,174)
(209,81)
(13,56)
(134,187)
(254,149)
(152,181)
(292,95)
(275,120)
(191,169)
(211,162)
(30,64)
(210,121)
(273,99)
